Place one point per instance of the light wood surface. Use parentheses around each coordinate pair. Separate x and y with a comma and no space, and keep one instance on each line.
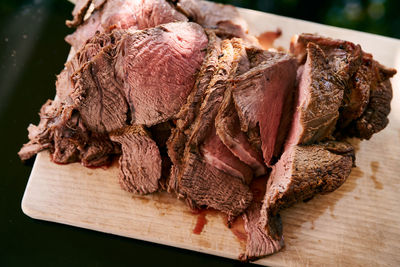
(359,224)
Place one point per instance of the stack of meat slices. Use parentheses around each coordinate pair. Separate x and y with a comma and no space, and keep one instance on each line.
(191,104)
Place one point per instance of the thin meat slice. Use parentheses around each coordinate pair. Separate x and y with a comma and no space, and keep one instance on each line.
(303,172)
(228,130)
(227,122)
(124,14)
(225,18)
(218,155)
(78,13)
(270,82)
(158,69)
(320,95)
(259,243)
(140,162)
(189,110)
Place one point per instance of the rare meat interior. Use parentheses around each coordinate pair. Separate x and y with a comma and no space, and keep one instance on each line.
(191,103)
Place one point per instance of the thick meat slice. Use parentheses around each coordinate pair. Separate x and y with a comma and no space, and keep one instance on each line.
(207,186)
(158,69)
(303,172)
(344,57)
(372,80)
(98,96)
(259,96)
(124,14)
(140,162)
(211,15)
(320,95)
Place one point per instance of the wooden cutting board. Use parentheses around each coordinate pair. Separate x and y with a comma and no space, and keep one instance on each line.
(359,224)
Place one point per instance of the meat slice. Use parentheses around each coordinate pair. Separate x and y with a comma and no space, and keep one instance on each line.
(200,183)
(158,69)
(189,110)
(270,82)
(98,96)
(124,14)
(62,131)
(211,15)
(320,95)
(259,243)
(373,92)
(207,186)
(344,57)
(78,13)
(140,162)
(227,122)
(219,156)
(301,173)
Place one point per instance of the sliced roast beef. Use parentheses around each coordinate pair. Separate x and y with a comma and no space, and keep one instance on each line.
(344,57)
(372,90)
(301,173)
(320,95)
(158,69)
(259,242)
(98,96)
(259,96)
(200,183)
(189,110)
(62,132)
(227,121)
(140,162)
(78,13)
(219,156)
(207,186)
(124,14)
(211,15)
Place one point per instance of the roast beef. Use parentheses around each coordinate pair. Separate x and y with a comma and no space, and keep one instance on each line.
(191,177)
(211,15)
(371,90)
(124,14)
(189,110)
(227,122)
(320,94)
(219,156)
(259,242)
(206,186)
(157,68)
(140,162)
(82,7)
(98,96)
(270,82)
(367,89)
(302,172)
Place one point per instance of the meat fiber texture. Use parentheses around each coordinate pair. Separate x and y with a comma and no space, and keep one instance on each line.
(200,110)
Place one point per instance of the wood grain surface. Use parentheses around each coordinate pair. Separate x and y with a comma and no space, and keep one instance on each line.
(359,224)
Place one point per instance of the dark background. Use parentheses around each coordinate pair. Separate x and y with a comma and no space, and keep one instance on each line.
(32,52)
